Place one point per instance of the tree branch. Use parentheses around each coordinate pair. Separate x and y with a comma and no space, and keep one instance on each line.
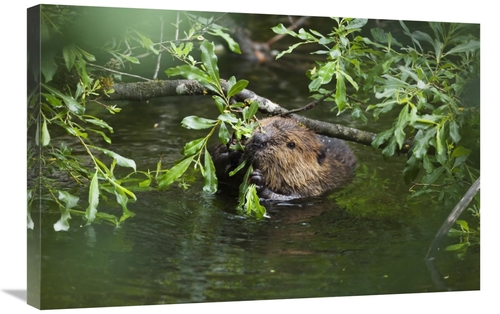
(142,91)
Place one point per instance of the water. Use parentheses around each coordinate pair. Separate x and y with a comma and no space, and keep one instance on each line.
(187,246)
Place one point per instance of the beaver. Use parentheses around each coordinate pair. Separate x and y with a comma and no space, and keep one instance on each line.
(290,161)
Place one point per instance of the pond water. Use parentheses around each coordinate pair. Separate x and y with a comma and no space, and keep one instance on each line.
(187,246)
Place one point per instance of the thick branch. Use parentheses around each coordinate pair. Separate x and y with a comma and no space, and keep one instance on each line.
(163,88)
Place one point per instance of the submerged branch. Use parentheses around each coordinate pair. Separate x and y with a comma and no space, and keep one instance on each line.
(142,91)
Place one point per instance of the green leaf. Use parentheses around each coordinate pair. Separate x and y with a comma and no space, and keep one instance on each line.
(233,45)
(463,225)
(45,133)
(197,123)
(220,103)
(411,170)
(340,92)
(53,101)
(87,55)
(349,78)
(193,73)
(238,87)
(122,199)
(433,176)
(401,123)
(104,136)
(458,247)
(469,46)
(146,43)
(421,142)
(326,72)
(382,137)
(228,117)
(175,172)
(193,147)
(120,160)
(69,56)
(68,199)
(356,23)
(223,133)
(145,183)
(48,65)
(209,59)
(289,50)
(209,174)
(63,224)
(281,30)
(91,211)
(99,122)
(454,131)
(460,151)
(252,203)
(72,105)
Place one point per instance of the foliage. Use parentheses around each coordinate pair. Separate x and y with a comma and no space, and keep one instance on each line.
(421,84)
(239,117)
(71,84)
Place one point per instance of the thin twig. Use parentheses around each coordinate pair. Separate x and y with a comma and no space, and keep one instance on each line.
(309,105)
(155,76)
(118,72)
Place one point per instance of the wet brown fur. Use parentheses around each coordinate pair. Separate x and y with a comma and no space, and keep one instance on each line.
(294,161)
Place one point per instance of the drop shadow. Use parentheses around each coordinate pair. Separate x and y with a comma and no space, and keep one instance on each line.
(20,294)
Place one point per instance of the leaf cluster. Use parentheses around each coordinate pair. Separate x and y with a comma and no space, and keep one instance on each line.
(234,123)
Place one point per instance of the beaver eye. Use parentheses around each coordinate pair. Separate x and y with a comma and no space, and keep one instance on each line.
(290,145)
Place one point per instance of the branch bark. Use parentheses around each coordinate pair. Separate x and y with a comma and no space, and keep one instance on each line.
(142,91)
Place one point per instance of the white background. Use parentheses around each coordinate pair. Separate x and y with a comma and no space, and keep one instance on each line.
(13,152)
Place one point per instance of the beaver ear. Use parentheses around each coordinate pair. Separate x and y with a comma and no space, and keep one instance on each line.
(321,154)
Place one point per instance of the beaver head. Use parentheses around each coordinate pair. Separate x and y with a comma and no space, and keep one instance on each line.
(290,157)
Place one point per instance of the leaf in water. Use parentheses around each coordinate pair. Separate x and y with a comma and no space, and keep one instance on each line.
(175,172)
(197,123)
(91,211)
(209,175)
(120,160)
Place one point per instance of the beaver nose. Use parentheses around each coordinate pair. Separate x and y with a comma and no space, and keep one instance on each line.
(258,140)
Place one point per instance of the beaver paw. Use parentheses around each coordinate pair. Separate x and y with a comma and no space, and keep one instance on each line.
(257,178)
